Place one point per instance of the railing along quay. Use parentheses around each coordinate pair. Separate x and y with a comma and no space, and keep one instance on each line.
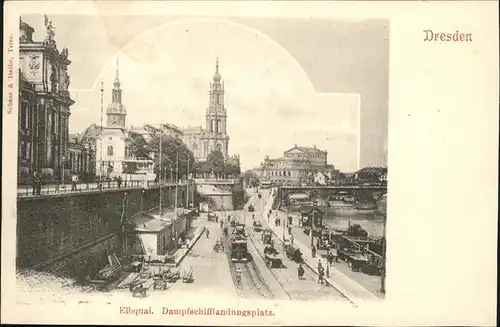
(52,189)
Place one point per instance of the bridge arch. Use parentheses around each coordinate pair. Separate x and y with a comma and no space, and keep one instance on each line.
(341,195)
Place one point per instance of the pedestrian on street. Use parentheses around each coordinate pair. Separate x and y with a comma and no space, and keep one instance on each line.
(119,181)
(221,223)
(37,183)
(300,271)
(321,273)
(74,180)
(207,233)
(313,252)
(33,182)
(329,257)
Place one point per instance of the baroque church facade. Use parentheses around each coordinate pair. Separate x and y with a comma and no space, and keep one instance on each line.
(112,157)
(44,106)
(202,141)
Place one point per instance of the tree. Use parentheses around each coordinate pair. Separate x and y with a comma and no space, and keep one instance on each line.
(172,149)
(137,146)
(250,178)
(216,161)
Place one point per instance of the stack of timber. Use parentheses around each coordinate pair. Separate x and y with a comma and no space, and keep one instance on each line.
(188,275)
(128,280)
(112,270)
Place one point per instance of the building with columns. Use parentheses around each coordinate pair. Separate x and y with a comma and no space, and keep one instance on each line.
(298,165)
(44,106)
(202,141)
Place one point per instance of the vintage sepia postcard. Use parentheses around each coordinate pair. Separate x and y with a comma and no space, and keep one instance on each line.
(227,163)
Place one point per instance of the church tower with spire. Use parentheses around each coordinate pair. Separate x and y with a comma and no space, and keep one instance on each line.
(216,138)
(116,112)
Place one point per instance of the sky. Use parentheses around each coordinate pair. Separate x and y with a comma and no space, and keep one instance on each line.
(287,81)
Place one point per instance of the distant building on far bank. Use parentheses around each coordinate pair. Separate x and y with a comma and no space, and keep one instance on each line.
(371,175)
(298,165)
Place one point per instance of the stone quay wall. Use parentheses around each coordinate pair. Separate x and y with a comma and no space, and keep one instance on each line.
(68,233)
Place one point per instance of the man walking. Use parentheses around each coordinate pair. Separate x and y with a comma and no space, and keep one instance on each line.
(33,182)
(300,271)
(74,180)
(321,274)
(37,183)
(329,257)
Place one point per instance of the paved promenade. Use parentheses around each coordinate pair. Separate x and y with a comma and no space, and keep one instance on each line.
(54,189)
(345,285)
(210,269)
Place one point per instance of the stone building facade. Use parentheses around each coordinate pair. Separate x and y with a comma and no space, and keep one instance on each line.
(112,158)
(298,165)
(44,105)
(81,158)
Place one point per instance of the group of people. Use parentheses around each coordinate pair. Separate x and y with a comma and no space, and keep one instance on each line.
(219,245)
(37,183)
(321,272)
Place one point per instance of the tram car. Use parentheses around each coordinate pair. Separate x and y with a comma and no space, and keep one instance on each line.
(239,250)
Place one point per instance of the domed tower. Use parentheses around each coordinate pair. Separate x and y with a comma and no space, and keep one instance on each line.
(216,117)
(116,112)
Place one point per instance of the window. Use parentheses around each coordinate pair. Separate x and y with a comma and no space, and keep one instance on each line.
(24,116)
(54,122)
(22,150)
(110,150)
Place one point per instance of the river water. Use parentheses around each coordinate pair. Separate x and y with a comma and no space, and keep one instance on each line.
(370,221)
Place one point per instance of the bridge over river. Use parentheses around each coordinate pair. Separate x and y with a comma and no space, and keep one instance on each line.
(359,192)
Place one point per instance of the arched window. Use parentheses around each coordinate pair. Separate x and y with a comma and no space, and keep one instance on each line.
(110,150)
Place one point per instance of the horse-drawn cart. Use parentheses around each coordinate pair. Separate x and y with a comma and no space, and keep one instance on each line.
(257,226)
(272,257)
(267,236)
(291,252)
(212,216)
(273,260)
(356,261)
(172,276)
(139,287)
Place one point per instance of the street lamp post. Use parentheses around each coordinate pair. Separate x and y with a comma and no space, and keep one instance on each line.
(142,195)
(187,184)
(312,224)
(62,177)
(176,182)
(101,139)
(159,171)
(382,279)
